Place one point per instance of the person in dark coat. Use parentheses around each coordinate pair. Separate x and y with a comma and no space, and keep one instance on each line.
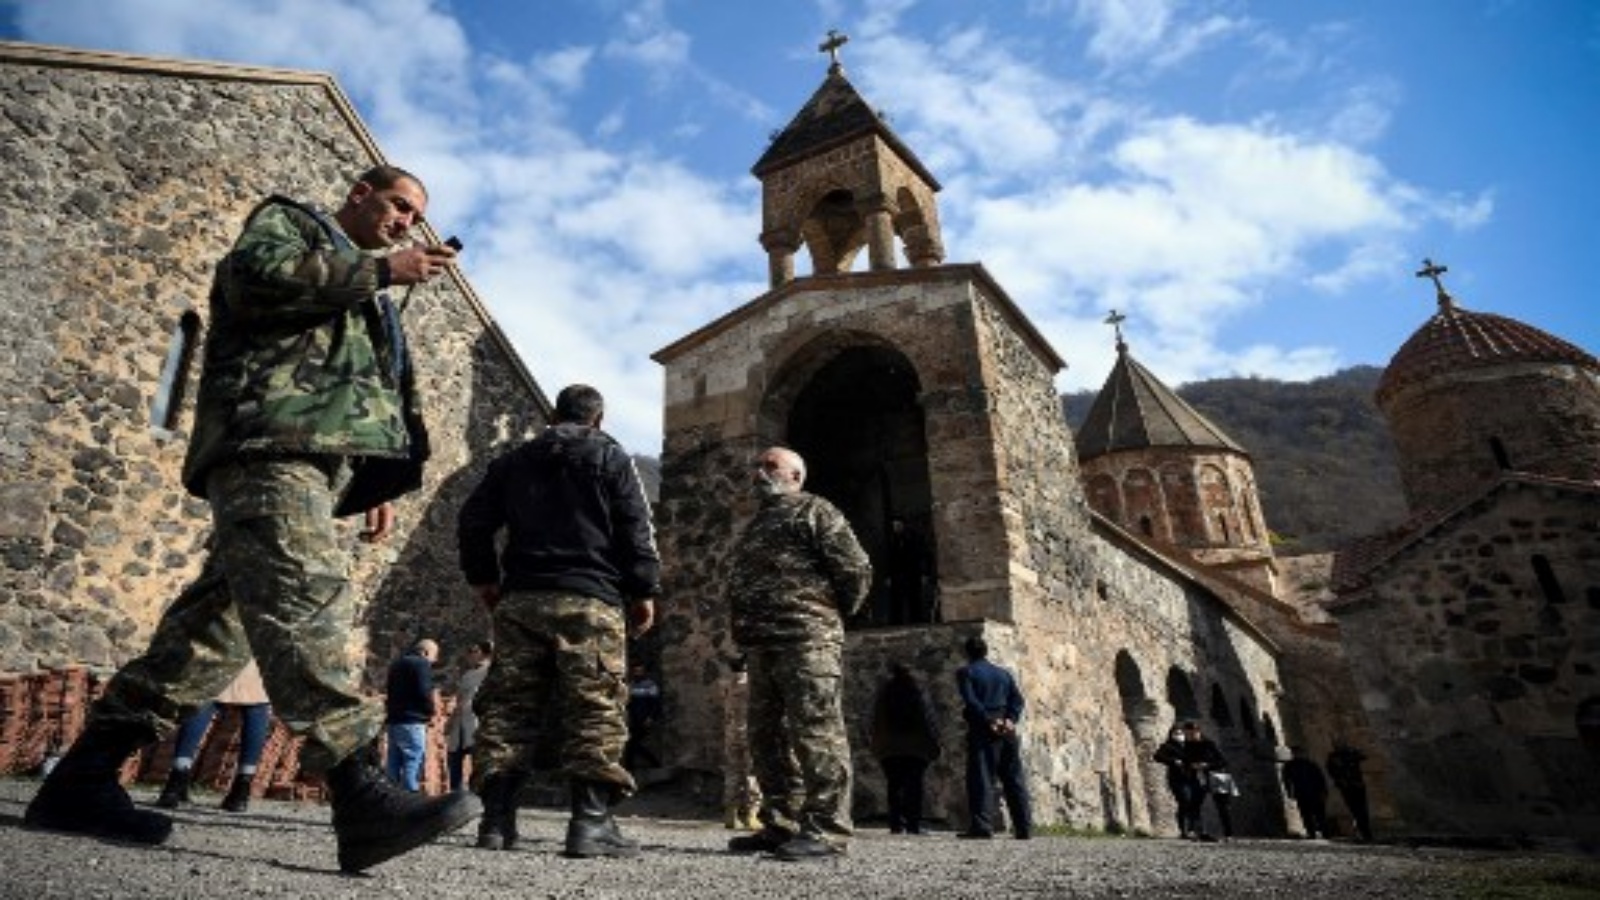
(1210,769)
(1344,767)
(1179,783)
(906,741)
(992,705)
(1304,783)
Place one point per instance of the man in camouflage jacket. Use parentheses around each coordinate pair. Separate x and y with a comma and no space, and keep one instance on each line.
(305,379)
(797,573)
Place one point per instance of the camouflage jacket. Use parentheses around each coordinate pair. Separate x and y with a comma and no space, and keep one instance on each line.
(796,573)
(298,357)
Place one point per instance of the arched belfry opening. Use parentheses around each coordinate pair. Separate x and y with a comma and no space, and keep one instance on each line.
(835,232)
(854,413)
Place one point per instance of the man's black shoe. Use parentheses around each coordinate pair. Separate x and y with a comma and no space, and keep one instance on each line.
(976,835)
(376,821)
(764,841)
(497,830)
(803,848)
(592,831)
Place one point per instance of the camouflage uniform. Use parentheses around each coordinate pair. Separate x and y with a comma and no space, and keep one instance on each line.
(797,571)
(556,694)
(741,793)
(303,373)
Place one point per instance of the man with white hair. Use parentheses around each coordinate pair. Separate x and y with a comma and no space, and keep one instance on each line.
(797,573)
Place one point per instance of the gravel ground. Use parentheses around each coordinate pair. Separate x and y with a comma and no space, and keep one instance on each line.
(286,850)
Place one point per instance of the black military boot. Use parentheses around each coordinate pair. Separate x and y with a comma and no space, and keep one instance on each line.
(175,792)
(592,831)
(498,828)
(83,793)
(376,821)
(238,799)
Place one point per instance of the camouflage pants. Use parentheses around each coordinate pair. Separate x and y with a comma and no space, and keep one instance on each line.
(797,739)
(556,695)
(275,586)
(739,788)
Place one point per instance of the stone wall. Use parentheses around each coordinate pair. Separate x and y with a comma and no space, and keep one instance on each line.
(127,179)
(1473,658)
(1019,563)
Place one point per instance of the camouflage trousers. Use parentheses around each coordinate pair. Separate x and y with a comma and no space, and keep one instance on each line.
(739,788)
(797,739)
(275,586)
(556,695)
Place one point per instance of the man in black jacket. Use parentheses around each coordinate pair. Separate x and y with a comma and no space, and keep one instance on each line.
(579,547)
(409,707)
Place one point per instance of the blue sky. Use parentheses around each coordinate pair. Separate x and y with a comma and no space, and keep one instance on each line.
(1251,183)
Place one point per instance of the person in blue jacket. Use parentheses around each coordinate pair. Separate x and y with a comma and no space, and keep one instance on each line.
(992,705)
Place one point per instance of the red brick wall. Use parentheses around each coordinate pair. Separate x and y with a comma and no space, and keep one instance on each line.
(44,709)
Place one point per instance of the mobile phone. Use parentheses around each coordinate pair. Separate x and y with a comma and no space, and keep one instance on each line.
(454,243)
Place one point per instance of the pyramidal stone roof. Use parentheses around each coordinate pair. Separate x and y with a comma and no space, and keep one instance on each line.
(1456,339)
(1135,411)
(836,114)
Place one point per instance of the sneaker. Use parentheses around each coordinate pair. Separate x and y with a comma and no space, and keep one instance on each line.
(764,841)
(804,847)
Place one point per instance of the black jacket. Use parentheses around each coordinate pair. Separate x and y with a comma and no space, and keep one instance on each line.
(409,693)
(576,519)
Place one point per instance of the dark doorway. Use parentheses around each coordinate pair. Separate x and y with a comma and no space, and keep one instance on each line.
(859,426)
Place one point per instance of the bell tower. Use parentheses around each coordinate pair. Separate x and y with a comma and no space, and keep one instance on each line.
(836,179)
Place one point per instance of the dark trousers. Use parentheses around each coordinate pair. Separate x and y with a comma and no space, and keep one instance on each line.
(1313,814)
(1224,805)
(1355,799)
(904,778)
(988,757)
(634,751)
(1191,796)
(455,763)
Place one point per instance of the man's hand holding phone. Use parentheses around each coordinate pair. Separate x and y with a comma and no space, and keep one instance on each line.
(422,263)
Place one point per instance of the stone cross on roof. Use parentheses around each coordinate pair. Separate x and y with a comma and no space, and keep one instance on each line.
(836,39)
(1431,271)
(1115,320)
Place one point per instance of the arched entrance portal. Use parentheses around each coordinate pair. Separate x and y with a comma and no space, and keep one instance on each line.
(859,425)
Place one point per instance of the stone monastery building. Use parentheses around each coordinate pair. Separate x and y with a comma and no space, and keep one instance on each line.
(1125,576)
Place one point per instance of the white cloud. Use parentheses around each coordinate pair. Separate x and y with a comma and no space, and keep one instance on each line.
(565,68)
(1153,34)
(960,97)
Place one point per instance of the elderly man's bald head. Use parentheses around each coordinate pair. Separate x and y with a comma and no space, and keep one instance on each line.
(780,470)
(427,648)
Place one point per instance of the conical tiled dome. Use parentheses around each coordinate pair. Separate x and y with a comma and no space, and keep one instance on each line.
(1135,411)
(1456,339)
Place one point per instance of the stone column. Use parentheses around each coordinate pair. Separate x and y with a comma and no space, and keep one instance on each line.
(880,237)
(780,249)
